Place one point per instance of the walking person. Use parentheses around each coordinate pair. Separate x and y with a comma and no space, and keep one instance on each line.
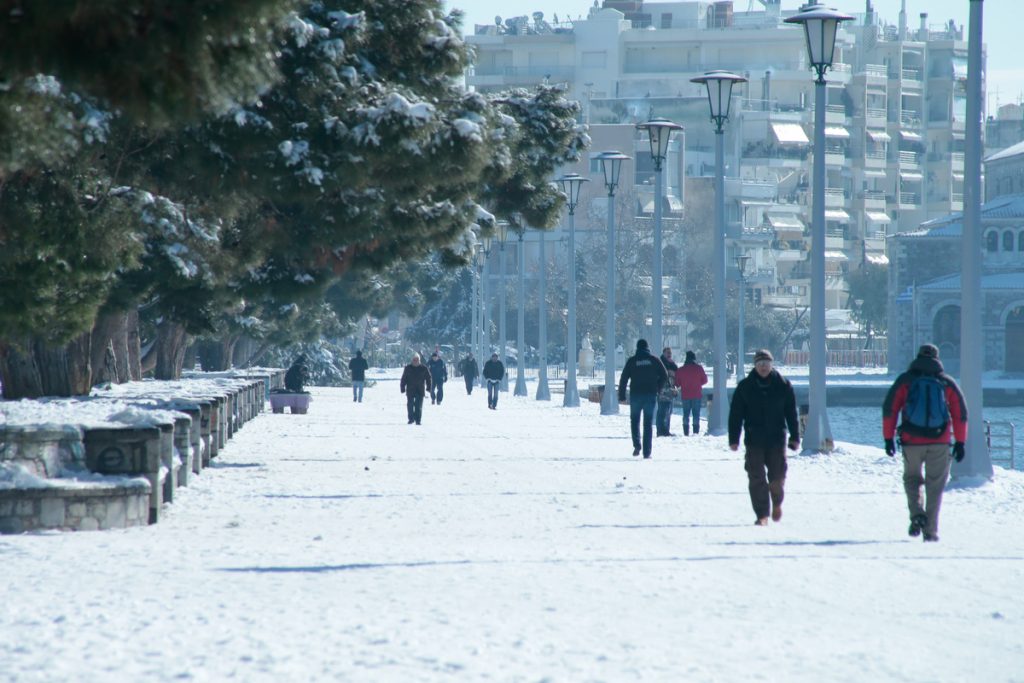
(928,405)
(764,406)
(646,376)
(494,371)
(414,384)
(357,366)
(690,379)
(667,395)
(470,371)
(438,376)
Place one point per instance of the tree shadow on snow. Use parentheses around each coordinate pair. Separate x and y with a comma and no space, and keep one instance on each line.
(661,526)
(828,543)
(233,465)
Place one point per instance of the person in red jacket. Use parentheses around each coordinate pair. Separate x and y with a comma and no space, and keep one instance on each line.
(926,445)
(690,378)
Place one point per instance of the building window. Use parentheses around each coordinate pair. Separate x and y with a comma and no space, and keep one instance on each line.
(991,240)
(1008,241)
(1020,241)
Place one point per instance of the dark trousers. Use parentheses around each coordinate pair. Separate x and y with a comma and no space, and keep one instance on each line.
(664,417)
(414,404)
(642,404)
(469,385)
(436,392)
(766,474)
(492,392)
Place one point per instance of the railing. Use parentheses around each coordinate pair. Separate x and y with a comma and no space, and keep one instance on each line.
(876,70)
(999,438)
(877,195)
(910,118)
(523,72)
(957,158)
(836,109)
(911,74)
(874,155)
(909,158)
(912,198)
(957,197)
(833,192)
(873,112)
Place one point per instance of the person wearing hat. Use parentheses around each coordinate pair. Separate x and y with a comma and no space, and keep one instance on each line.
(494,370)
(928,406)
(438,376)
(690,379)
(764,407)
(645,375)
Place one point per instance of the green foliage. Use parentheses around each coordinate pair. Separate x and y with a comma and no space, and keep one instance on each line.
(869,285)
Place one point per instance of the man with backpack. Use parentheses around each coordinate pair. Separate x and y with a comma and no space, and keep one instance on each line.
(927,404)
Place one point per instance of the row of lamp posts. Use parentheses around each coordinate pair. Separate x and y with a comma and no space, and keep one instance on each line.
(820,27)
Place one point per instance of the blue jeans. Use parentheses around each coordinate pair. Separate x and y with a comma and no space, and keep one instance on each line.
(691,405)
(357,390)
(664,418)
(642,403)
(492,392)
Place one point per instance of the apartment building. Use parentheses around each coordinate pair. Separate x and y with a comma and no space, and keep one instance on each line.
(896,103)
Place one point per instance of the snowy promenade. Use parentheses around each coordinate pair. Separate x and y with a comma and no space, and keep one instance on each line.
(524,544)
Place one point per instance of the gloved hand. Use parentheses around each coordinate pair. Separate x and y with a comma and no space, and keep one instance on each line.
(793,444)
(890,447)
(958,451)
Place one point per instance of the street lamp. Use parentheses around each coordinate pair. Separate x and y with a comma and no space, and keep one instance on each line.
(543,392)
(611,167)
(502,235)
(820,26)
(571,184)
(521,318)
(741,266)
(659,131)
(719,85)
(485,322)
(474,318)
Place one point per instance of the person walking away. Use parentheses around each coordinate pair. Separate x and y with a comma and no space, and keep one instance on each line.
(690,379)
(438,376)
(414,384)
(764,406)
(470,371)
(494,371)
(646,376)
(928,404)
(358,366)
(667,395)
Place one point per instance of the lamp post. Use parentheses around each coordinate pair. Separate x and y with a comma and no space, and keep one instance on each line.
(820,26)
(741,266)
(520,389)
(485,322)
(571,184)
(502,235)
(611,167)
(474,317)
(543,392)
(719,85)
(659,132)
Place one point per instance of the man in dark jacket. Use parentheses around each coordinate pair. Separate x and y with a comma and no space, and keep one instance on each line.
(494,370)
(297,375)
(414,384)
(922,446)
(667,395)
(646,376)
(470,371)
(764,405)
(357,366)
(438,376)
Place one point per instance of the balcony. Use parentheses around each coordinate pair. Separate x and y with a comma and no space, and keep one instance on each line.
(957,161)
(875,116)
(741,188)
(835,113)
(835,198)
(910,200)
(910,119)
(874,159)
(525,75)
(911,77)
(909,159)
(871,200)
(835,158)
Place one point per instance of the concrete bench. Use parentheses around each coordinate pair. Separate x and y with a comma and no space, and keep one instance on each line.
(297,403)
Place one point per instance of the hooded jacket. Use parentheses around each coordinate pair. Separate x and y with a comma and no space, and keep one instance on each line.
(644,372)
(896,398)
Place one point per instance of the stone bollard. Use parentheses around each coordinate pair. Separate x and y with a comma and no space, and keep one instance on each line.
(183,447)
(130,450)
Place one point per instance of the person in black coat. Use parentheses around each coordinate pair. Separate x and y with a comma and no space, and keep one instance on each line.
(667,395)
(358,366)
(414,384)
(646,376)
(764,406)
(470,371)
(494,371)
(297,375)
(438,376)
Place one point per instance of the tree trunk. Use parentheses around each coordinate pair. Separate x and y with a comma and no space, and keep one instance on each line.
(18,371)
(258,354)
(171,342)
(65,370)
(132,343)
(109,348)
(218,355)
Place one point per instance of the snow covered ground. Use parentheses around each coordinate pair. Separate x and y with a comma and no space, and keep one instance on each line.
(523,544)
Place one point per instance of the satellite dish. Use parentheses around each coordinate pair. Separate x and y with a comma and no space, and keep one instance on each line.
(497,20)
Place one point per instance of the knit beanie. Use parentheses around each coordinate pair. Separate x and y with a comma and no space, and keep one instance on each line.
(763,354)
(928,351)
(641,345)
(691,357)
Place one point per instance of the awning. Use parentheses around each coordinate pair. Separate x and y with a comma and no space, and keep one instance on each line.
(790,133)
(910,175)
(910,135)
(874,173)
(879,136)
(958,177)
(877,259)
(837,215)
(836,256)
(877,217)
(785,222)
(836,132)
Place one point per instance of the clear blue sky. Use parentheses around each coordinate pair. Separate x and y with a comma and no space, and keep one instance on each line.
(1001,27)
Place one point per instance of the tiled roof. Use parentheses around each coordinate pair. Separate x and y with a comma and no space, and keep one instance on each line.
(1010,206)
(993,281)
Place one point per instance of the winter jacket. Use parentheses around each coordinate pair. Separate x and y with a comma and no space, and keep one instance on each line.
(892,407)
(690,378)
(415,380)
(438,371)
(469,368)
(494,369)
(764,409)
(357,366)
(645,374)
